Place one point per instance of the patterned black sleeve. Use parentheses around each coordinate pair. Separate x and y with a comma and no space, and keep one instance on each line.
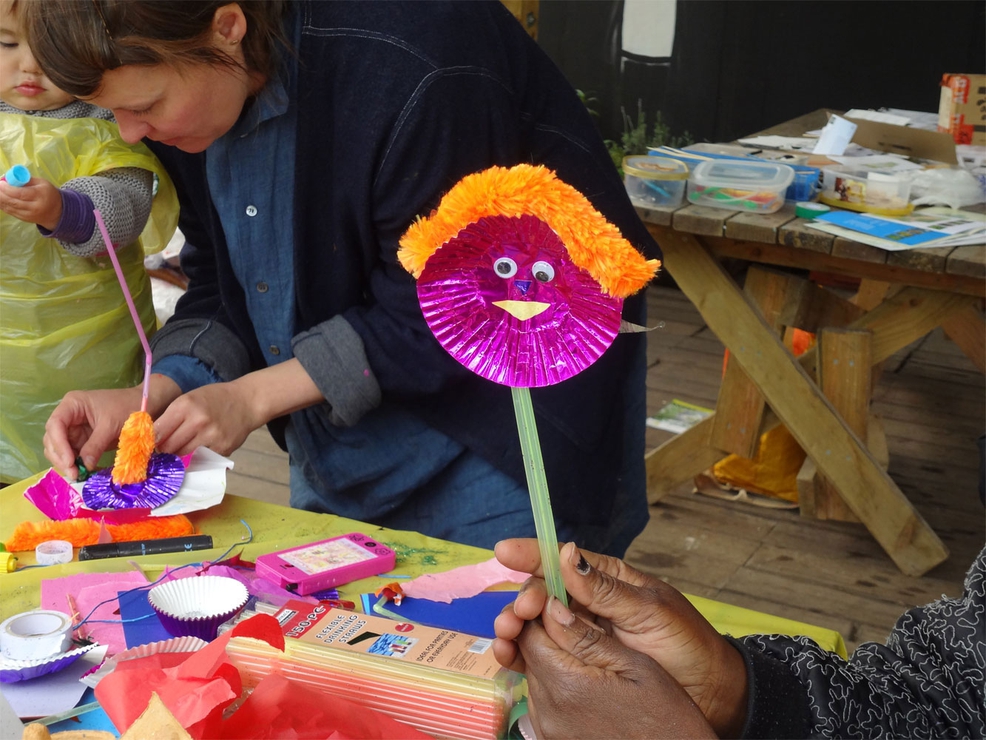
(928,681)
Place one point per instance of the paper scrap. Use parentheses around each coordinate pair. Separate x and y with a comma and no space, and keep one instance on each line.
(835,137)
(878,116)
(88,590)
(780,142)
(461,582)
(54,693)
(678,416)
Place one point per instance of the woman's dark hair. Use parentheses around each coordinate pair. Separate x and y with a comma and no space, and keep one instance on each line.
(76,41)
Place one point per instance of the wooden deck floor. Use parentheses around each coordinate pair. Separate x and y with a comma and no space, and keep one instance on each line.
(933,405)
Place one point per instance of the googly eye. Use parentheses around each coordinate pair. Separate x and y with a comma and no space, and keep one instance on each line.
(543,272)
(505,267)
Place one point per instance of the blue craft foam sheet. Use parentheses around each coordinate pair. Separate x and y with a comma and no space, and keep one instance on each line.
(473,616)
(134,604)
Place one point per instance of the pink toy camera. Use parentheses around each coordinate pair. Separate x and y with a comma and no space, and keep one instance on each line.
(325,564)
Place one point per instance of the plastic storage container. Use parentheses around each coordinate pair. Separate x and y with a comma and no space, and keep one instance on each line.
(865,191)
(757,187)
(654,181)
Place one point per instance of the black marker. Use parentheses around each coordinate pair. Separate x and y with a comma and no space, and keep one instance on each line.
(145,547)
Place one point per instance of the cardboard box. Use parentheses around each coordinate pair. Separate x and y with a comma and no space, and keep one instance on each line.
(962,108)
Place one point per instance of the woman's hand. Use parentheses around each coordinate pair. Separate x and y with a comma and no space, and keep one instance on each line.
(218,416)
(221,416)
(641,612)
(584,683)
(85,424)
(39,202)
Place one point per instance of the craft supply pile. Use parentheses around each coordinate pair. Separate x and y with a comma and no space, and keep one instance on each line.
(260,643)
(891,179)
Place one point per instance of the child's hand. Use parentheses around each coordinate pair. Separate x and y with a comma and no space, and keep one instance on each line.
(39,202)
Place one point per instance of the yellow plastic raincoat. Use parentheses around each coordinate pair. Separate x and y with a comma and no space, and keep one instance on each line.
(64,323)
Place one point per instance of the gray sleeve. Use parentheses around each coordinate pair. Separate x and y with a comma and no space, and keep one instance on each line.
(123,197)
(206,340)
(332,354)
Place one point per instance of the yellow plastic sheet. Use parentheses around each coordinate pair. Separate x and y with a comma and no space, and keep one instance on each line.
(279,527)
(64,323)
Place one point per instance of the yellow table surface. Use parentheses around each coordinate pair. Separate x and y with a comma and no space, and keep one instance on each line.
(278,527)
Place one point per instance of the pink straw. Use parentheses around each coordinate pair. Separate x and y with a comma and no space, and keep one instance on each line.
(133,309)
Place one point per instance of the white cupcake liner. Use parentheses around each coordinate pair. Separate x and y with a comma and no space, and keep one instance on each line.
(174,645)
(12,671)
(197,606)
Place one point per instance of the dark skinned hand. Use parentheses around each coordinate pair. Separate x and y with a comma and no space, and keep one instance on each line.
(584,683)
(639,611)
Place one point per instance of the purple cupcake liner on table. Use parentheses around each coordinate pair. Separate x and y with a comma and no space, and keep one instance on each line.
(196,606)
(12,671)
(165,474)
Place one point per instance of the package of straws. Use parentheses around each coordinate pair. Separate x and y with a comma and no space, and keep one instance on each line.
(444,683)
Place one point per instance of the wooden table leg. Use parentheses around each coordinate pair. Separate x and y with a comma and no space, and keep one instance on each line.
(894,324)
(967,329)
(840,456)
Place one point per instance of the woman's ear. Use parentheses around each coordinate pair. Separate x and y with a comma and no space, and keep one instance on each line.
(229,25)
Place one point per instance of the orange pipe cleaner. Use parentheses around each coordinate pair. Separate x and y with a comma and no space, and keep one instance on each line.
(28,535)
(133,454)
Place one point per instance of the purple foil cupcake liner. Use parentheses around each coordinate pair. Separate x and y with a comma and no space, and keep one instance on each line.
(165,474)
(12,671)
(462,298)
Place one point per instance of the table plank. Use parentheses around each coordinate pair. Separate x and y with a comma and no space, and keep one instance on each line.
(799,235)
(777,254)
(701,220)
(759,227)
(926,260)
(968,260)
(852,250)
(660,216)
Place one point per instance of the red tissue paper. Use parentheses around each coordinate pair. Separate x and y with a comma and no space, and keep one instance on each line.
(198,687)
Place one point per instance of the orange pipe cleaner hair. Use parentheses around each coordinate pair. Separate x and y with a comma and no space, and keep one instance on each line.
(28,535)
(593,243)
(133,454)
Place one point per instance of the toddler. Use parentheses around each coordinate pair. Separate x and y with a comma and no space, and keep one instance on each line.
(64,323)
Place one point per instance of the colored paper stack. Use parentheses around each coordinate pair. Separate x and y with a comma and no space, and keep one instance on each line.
(444,683)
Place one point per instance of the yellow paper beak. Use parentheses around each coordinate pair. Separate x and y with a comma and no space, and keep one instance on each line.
(522,310)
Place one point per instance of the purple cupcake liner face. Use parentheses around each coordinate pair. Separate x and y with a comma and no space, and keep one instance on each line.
(165,474)
(505,300)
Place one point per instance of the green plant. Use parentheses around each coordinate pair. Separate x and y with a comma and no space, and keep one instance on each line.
(589,100)
(637,137)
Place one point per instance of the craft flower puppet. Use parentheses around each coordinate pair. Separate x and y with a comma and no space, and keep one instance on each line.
(140,477)
(522,281)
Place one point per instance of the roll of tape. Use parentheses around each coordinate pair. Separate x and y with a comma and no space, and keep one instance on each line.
(810,209)
(35,635)
(53,552)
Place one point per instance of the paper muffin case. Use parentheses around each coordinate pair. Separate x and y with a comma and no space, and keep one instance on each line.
(12,671)
(195,607)
(174,645)
(164,478)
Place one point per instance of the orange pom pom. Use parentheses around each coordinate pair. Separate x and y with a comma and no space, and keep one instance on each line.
(134,452)
(594,244)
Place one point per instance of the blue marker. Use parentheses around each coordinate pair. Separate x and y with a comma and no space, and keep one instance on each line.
(18,176)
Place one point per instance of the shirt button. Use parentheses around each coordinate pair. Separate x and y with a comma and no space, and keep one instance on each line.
(262,287)
(251,210)
(275,350)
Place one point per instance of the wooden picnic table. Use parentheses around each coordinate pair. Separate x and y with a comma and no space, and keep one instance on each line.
(822,397)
